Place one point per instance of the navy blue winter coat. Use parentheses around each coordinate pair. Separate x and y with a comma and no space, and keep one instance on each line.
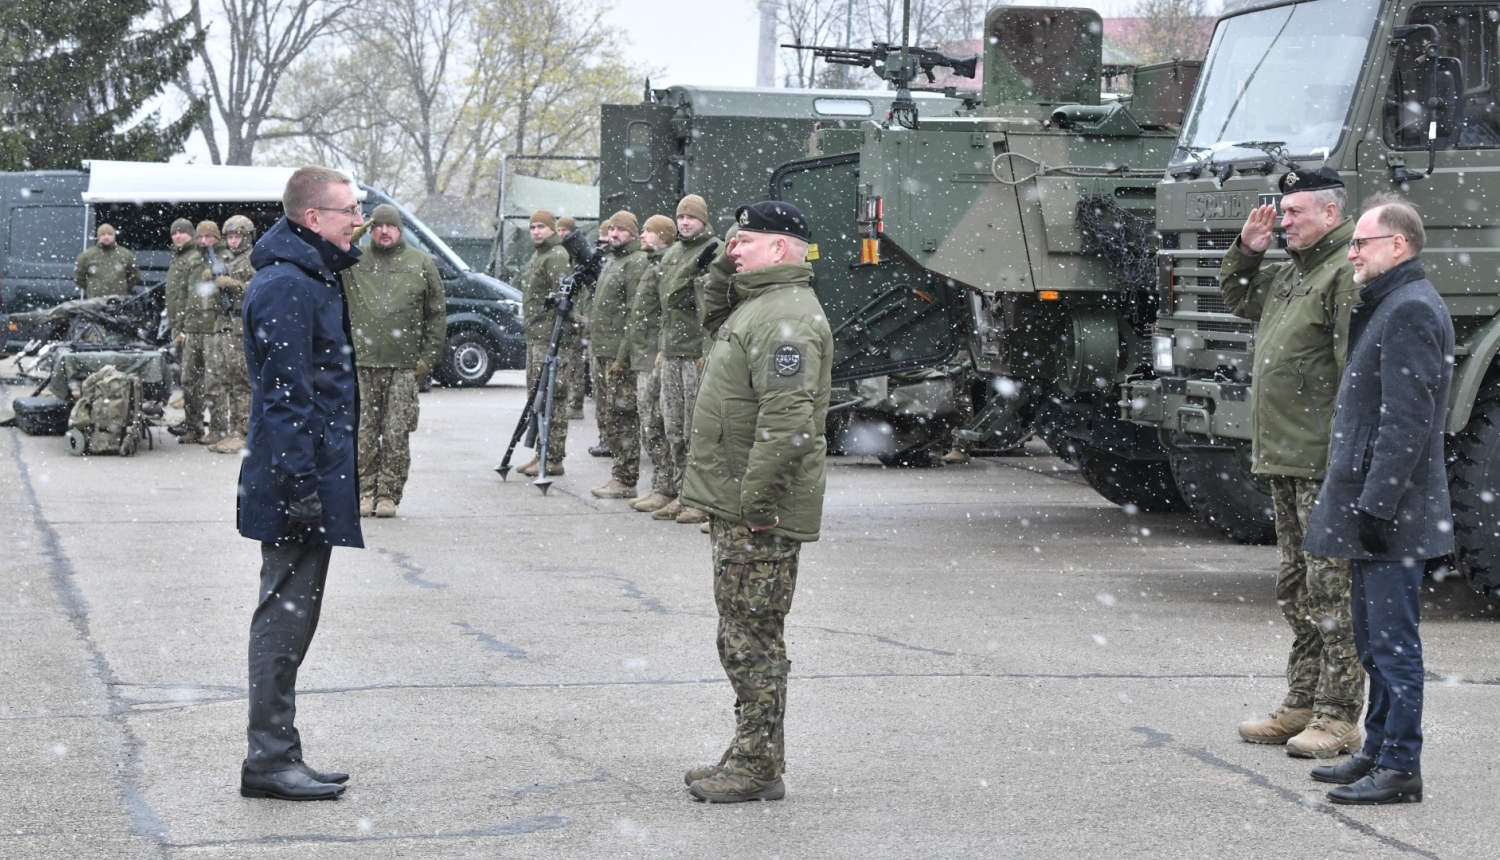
(304,394)
(1387,453)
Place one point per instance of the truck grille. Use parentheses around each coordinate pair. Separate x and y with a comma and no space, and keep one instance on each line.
(1211,304)
(1215,325)
(1217,240)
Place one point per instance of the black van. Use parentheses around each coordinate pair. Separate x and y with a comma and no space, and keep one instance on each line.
(45,223)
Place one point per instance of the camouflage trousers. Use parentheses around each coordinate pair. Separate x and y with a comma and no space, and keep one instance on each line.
(228,384)
(388,411)
(615,410)
(557,439)
(653,438)
(1323,671)
(755,575)
(577,373)
(195,357)
(679,390)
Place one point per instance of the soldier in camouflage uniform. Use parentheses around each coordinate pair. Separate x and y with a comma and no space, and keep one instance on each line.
(205,317)
(542,278)
(640,354)
(614,386)
(181,275)
(680,287)
(1302,308)
(399,320)
(758,468)
(106,269)
(578,368)
(231,374)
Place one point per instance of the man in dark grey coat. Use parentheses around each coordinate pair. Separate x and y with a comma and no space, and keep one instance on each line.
(1384,504)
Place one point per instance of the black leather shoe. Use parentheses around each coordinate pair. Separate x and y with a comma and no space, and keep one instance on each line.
(333,777)
(289,784)
(1381,785)
(601,450)
(1346,772)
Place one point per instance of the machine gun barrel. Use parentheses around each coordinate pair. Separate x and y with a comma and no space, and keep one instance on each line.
(879,53)
(839,56)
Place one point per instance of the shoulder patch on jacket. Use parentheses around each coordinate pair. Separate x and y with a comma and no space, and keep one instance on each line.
(787,364)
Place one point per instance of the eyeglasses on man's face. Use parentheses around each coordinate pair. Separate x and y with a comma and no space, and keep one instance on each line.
(349,211)
(1357,244)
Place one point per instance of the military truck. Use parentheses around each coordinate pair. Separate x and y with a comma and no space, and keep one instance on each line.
(1019,231)
(1396,96)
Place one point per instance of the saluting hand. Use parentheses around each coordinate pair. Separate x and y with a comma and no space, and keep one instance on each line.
(1255,236)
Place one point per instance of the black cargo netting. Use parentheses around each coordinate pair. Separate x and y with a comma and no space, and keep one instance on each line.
(1127,242)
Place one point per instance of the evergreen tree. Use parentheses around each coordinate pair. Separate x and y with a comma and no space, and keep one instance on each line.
(74,75)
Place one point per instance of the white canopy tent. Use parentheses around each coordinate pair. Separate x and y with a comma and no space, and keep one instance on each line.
(143,182)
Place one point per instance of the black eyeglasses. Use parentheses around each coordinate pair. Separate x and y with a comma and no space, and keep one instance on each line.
(1357,244)
(351,211)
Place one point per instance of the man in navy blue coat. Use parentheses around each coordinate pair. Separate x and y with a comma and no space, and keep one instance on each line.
(1385,504)
(298,492)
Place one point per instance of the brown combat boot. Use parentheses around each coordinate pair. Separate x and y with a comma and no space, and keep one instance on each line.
(956,457)
(692,516)
(724,787)
(385,508)
(367,506)
(613,490)
(706,528)
(1280,727)
(191,437)
(1326,737)
(529,470)
(228,445)
(651,502)
(669,511)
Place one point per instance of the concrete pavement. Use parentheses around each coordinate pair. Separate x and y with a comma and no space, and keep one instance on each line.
(988,660)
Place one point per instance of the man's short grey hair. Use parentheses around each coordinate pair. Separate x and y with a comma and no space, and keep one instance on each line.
(1397,215)
(1337,196)
(308,189)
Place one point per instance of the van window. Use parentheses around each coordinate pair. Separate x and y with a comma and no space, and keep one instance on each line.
(638,152)
(46,234)
(843,107)
(146,226)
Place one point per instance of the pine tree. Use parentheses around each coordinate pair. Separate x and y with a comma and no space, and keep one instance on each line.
(74,76)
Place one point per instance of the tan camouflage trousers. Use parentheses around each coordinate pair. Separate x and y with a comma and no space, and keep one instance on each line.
(577,372)
(557,440)
(619,427)
(228,385)
(388,410)
(1323,671)
(653,438)
(679,390)
(755,575)
(195,358)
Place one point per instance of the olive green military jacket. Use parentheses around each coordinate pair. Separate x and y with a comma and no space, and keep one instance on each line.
(397,311)
(681,291)
(718,290)
(1302,310)
(642,341)
(543,274)
(182,276)
(757,452)
(240,274)
(101,271)
(610,311)
(207,309)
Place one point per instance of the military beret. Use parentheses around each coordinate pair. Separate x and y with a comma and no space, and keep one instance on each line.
(182,225)
(386,214)
(773,216)
(1310,180)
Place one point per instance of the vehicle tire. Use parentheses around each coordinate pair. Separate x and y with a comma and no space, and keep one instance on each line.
(1146,484)
(1219,492)
(1474,480)
(468,360)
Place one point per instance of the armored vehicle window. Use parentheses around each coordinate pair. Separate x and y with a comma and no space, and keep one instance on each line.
(1286,74)
(1467,34)
(843,107)
(46,234)
(638,152)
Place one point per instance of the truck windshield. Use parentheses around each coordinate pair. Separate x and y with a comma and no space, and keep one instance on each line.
(1285,74)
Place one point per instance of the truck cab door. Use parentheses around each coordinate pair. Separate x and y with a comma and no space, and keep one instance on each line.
(888,315)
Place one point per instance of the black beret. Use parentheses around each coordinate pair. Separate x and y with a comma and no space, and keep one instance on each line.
(1310,180)
(773,216)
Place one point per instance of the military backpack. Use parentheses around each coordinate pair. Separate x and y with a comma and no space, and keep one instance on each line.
(107,419)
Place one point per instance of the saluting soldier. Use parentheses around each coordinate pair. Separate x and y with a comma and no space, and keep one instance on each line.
(614,387)
(1302,307)
(758,468)
(107,268)
(399,318)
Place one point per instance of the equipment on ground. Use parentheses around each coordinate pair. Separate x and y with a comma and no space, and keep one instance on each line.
(108,417)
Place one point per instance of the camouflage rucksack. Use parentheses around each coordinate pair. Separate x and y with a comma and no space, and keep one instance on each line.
(107,417)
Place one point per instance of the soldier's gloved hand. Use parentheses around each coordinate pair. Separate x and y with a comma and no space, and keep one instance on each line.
(423,368)
(617,369)
(224,282)
(177,343)
(706,256)
(208,275)
(1374,533)
(304,518)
